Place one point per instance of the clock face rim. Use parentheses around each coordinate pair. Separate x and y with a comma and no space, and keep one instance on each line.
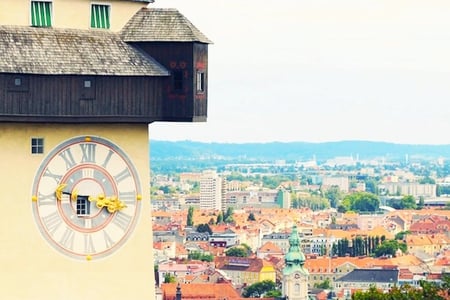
(123,157)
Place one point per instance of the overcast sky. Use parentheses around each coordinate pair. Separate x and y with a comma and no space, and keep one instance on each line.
(321,70)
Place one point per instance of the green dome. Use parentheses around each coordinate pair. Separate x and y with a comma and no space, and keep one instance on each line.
(297,258)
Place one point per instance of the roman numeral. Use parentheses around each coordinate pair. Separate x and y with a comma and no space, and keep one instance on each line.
(52,222)
(46,199)
(122,175)
(68,238)
(68,158)
(107,158)
(88,244)
(122,220)
(108,240)
(56,177)
(88,152)
(129,198)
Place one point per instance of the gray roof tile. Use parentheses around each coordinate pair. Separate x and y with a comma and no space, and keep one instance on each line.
(371,275)
(161,25)
(54,51)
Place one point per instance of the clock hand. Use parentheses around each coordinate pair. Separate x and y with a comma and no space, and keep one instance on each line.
(59,191)
(112,203)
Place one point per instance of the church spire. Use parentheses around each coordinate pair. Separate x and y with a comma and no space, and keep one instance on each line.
(295,276)
(294,259)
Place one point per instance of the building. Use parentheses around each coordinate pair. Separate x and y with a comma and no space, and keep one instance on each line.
(295,275)
(342,182)
(414,189)
(283,199)
(210,190)
(80,82)
(195,291)
(224,239)
(181,271)
(363,279)
(245,270)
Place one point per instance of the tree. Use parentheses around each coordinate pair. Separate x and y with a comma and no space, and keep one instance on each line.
(334,195)
(295,203)
(400,236)
(190,217)
(421,203)
(197,255)
(326,284)
(389,247)
(169,278)
(219,218)
(259,289)
(237,252)
(371,186)
(204,228)
(361,201)
(408,202)
(273,294)
(251,217)
(228,216)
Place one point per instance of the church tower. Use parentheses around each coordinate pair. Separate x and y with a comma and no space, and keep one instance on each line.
(295,276)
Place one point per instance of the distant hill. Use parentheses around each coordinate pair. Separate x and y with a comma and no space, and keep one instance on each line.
(292,151)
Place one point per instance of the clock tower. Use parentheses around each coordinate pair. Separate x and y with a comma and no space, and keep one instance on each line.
(295,276)
(80,82)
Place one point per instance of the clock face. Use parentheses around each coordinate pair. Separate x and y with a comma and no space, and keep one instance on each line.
(86,197)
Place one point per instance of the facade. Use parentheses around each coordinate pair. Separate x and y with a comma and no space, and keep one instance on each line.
(224,239)
(245,270)
(363,279)
(284,199)
(240,199)
(210,190)
(80,82)
(341,182)
(414,189)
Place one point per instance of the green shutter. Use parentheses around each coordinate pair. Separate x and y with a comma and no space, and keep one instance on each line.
(41,13)
(100,16)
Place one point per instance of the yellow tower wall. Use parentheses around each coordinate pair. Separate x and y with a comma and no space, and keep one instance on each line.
(69,13)
(29,267)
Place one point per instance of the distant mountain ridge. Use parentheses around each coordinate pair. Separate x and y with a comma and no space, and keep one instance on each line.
(297,151)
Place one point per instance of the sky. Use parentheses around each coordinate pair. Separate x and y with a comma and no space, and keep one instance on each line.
(321,70)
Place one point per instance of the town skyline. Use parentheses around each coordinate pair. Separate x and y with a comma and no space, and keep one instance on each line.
(319,71)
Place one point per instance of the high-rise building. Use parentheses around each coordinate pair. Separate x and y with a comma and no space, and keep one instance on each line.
(211,191)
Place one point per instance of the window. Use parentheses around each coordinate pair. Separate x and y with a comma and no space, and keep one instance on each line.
(87,88)
(83,206)
(18,84)
(37,145)
(41,13)
(178,80)
(100,16)
(200,81)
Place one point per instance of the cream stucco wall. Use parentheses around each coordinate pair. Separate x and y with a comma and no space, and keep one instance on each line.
(29,267)
(69,13)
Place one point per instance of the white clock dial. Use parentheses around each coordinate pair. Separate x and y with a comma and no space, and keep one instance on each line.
(86,197)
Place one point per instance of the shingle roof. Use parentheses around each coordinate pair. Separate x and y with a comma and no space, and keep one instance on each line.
(52,51)
(371,275)
(161,25)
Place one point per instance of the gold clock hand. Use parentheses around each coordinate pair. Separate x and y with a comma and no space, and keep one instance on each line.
(59,191)
(112,203)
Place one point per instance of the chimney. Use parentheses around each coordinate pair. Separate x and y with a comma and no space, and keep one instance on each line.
(178,294)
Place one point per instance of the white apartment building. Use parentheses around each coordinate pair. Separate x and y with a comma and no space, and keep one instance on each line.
(210,190)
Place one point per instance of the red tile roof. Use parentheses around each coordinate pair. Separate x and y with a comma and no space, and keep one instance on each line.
(200,291)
